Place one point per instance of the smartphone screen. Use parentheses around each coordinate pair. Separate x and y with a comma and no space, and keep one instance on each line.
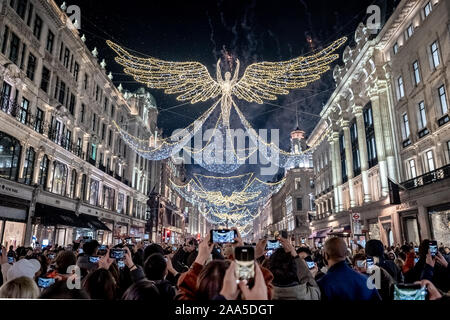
(121,264)
(223,236)
(433,248)
(409,292)
(45,282)
(269,253)
(93,259)
(369,262)
(273,245)
(245,262)
(311,264)
(117,254)
(416,260)
(11,260)
(80,250)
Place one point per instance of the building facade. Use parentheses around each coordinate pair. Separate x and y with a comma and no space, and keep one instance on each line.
(387,120)
(65,172)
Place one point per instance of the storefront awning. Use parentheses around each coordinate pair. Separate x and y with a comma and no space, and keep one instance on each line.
(52,216)
(341,230)
(94,222)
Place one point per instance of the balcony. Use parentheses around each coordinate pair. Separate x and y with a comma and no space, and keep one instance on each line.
(428,178)
(443,120)
(406,143)
(422,133)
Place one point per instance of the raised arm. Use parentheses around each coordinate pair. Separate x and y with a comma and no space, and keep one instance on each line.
(236,72)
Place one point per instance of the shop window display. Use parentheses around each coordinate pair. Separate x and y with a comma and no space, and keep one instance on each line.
(14,234)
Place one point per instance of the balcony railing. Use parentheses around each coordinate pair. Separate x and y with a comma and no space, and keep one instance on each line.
(443,120)
(428,178)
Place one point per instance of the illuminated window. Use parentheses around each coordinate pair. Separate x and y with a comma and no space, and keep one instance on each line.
(422,118)
(405,126)
(416,72)
(400,87)
(435,54)
(443,99)
(410,31)
(427,9)
(395,48)
(412,169)
(430,160)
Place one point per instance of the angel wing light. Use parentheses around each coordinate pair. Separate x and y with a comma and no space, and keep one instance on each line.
(261,81)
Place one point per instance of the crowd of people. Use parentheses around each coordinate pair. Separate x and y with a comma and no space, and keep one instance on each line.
(203,271)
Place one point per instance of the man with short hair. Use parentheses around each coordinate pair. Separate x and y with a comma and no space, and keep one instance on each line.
(180,258)
(341,283)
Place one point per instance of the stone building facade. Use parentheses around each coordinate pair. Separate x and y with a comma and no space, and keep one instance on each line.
(64,170)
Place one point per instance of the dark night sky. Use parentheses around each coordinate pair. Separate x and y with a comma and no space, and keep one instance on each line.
(199,30)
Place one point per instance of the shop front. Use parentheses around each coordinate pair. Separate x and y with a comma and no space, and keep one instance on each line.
(13,217)
(103,236)
(410,227)
(120,232)
(56,226)
(318,237)
(137,233)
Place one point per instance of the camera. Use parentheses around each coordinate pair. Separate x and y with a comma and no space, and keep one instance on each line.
(117,253)
(223,236)
(245,262)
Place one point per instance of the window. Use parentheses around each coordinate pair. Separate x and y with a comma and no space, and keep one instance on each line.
(62,92)
(435,54)
(108,198)
(72,104)
(355,149)
(76,71)
(422,118)
(106,105)
(405,127)
(73,183)
(30,14)
(14,48)
(401,89)
(110,138)
(31,66)
(67,144)
(23,115)
(22,8)
(28,166)
(37,27)
(410,31)
(370,136)
(430,160)
(448,151)
(22,56)
(343,159)
(93,152)
(395,48)
(61,49)
(416,72)
(412,169)
(45,79)
(5,96)
(112,111)
(86,81)
(299,204)
(97,91)
(10,150)
(82,112)
(103,131)
(5,39)
(43,171)
(443,99)
(50,41)
(427,9)
(93,193)
(59,178)
(94,121)
(39,121)
(66,57)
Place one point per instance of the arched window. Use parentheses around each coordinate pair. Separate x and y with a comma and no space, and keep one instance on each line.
(9,157)
(59,178)
(73,183)
(43,171)
(28,166)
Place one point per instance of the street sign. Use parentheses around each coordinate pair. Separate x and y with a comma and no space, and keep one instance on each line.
(356,216)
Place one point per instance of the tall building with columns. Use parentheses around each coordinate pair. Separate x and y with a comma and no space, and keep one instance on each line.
(387,120)
(65,172)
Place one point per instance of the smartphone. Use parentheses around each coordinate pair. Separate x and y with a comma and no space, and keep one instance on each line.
(245,262)
(410,291)
(223,236)
(360,263)
(51,256)
(303,241)
(174,248)
(80,251)
(433,248)
(416,250)
(94,259)
(117,253)
(121,264)
(369,262)
(309,261)
(416,260)
(273,245)
(284,234)
(45,282)
(10,260)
